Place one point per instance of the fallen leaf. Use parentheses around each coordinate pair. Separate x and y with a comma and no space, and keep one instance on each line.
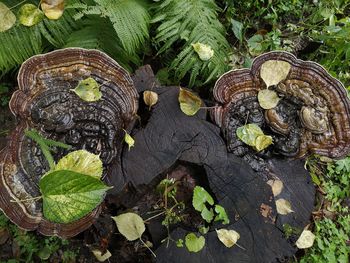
(189,102)
(150,98)
(83,162)
(283,207)
(130,225)
(204,51)
(194,243)
(88,90)
(268,99)
(276,185)
(101,257)
(53,9)
(248,133)
(262,142)
(7,18)
(228,237)
(305,240)
(266,210)
(274,71)
(30,15)
(129,140)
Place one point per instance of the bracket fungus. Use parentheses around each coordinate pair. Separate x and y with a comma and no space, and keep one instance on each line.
(45,102)
(311,113)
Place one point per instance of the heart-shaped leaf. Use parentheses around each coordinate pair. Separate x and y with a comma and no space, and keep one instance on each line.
(228,237)
(283,207)
(268,99)
(30,15)
(189,102)
(7,18)
(248,133)
(194,243)
(274,71)
(69,196)
(53,9)
(88,90)
(130,225)
(262,142)
(150,98)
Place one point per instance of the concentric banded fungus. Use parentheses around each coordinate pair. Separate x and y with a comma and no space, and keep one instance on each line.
(313,115)
(44,102)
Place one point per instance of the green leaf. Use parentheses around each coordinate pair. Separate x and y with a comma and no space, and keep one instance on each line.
(268,99)
(129,140)
(200,198)
(194,243)
(83,162)
(7,18)
(221,215)
(130,225)
(30,15)
(248,133)
(237,28)
(88,90)
(207,214)
(69,196)
(189,102)
(180,242)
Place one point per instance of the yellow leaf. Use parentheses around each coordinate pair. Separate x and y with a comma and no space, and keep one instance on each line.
(228,237)
(150,98)
(130,225)
(262,142)
(283,207)
(189,102)
(88,90)
(129,140)
(274,71)
(268,99)
(53,9)
(204,52)
(101,257)
(7,18)
(276,185)
(305,240)
(30,15)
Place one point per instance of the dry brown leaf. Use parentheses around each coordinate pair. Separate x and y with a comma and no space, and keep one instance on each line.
(53,9)
(268,99)
(150,98)
(228,237)
(274,71)
(276,185)
(283,207)
(305,240)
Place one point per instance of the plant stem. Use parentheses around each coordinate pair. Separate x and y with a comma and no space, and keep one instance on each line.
(148,247)
(27,200)
(152,217)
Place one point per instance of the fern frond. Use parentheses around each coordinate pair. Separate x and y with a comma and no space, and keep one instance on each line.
(185,22)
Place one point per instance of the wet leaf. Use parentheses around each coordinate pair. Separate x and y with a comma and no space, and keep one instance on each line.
(101,257)
(83,162)
(276,185)
(69,196)
(248,133)
(283,207)
(200,198)
(228,237)
(262,142)
(268,99)
(129,140)
(30,15)
(221,214)
(194,243)
(305,240)
(88,90)
(130,225)
(189,102)
(150,98)
(7,18)
(274,71)
(204,51)
(53,9)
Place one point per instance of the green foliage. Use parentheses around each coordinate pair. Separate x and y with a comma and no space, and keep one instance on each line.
(182,23)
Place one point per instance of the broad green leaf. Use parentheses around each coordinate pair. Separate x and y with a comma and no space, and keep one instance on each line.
(305,240)
(30,15)
(83,162)
(221,215)
(189,102)
(203,230)
(130,225)
(283,207)
(129,140)
(88,90)
(150,98)
(101,257)
(204,52)
(276,186)
(200,198)
(228,237)
(274,71)
(268,99)
(237,28)
(248,133)
(262,142)
(207,214)
(7,18)
(69,196)
(53,9)
(194,243)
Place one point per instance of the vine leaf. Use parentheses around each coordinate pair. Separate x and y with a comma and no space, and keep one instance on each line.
(129,140)
(305,240)
(88,90)
(274,71)
(221,215)
(194,243)
(69,196)
(200,198)
(204,52)
(7,18)
(150,98)
(283,207)
(83,162)
(189,102)
(268,99)
(228,237)
(30,15)
(53,9)
(130,225)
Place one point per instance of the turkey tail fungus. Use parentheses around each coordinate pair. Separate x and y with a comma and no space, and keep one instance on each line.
(45,102)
